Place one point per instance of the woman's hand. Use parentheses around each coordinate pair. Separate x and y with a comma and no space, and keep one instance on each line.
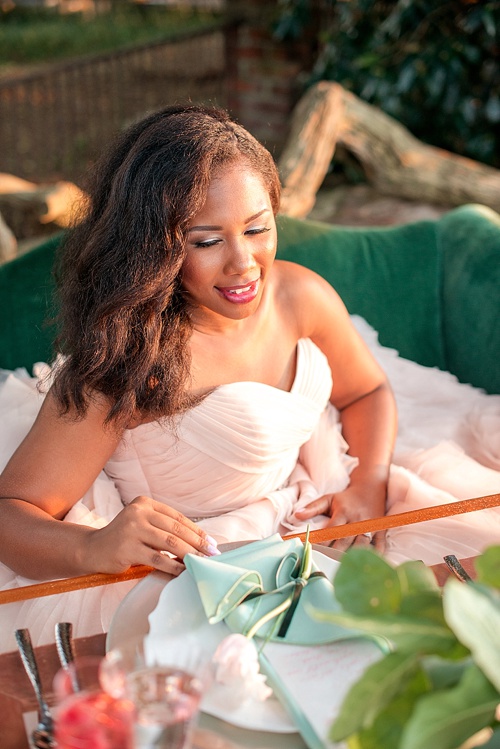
(151,533)
(348,506)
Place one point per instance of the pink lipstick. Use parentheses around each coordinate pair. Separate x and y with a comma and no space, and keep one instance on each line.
(240,294)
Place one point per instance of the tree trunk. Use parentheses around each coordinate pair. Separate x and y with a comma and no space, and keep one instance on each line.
(395,162)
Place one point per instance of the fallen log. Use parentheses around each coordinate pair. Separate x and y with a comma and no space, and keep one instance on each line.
(8,242)
(394,161)
(27,207)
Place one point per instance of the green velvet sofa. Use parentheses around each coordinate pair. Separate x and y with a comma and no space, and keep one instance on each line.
(431,289)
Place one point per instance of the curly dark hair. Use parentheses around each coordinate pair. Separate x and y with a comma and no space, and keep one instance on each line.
(124,322)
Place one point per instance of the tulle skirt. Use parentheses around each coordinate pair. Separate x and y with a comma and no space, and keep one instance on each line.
(447,449)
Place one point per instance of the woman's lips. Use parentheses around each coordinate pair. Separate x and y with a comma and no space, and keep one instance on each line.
(240,294)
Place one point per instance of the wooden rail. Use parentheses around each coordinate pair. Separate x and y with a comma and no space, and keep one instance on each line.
(324,534)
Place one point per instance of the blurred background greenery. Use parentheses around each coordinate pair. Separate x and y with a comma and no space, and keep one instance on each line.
(34,34)
(431,64)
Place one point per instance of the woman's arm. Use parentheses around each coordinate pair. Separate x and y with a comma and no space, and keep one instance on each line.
(51,470)
(363,398)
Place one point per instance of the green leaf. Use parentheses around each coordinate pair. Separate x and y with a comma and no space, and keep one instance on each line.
(444,673)
(425,605)
(366,60)
(406,634)
(380,591)
(489,23)
(407,76)
(492,109)
(388,727)
(488,567)
(416,577)
(444,720)
(376,688)
(473,613)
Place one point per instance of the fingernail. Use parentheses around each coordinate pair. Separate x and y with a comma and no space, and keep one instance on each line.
(212,551)
(211,541)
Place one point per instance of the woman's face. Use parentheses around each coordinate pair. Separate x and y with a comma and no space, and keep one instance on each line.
(231,247)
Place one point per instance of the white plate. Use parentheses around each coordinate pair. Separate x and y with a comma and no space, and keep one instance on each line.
(130,620)
(179,613)
(175,610)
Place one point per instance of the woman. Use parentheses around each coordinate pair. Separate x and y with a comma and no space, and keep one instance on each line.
(206,392)
(169,291)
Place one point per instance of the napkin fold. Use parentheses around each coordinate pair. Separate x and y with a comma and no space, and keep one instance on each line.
(262,590)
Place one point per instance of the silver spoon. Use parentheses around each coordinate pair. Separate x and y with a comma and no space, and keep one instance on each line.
(43,735)
(63,631)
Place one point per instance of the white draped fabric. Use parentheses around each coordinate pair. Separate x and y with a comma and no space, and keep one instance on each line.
(249,455)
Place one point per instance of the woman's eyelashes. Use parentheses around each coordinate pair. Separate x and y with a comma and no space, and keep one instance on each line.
(216,240)
(207,243)
(260,230)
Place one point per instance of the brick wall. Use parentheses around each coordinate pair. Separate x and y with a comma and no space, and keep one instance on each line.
(264,77)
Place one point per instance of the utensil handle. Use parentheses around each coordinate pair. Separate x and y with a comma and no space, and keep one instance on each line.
(63,634)
(25,646)
(454,565)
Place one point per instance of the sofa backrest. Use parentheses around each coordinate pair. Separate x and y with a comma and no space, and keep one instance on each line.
(390,276)
(431,289)
(469,243)
(26,307)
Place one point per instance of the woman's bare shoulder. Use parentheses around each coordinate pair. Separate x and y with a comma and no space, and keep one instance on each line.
(306,295)
(288,269)
(298,279)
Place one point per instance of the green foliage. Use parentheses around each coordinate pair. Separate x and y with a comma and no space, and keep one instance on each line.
(393,674)
(440,684)
(474,614)
(488,567)
(402,604)
(446,719)
(388,726)
(29,36)
(431,64)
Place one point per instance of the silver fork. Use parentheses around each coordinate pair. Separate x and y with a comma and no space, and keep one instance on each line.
(43,735)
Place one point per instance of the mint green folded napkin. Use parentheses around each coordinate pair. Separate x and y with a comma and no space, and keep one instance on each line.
(269,589)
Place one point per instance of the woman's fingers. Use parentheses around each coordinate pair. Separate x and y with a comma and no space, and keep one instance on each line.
(328,504)
(162,561)
(379,541)
(339,517)
(319,506)
(342,544)
(175,515)
(169,530)
(148,532)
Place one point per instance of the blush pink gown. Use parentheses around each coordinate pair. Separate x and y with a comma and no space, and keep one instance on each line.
(249,455)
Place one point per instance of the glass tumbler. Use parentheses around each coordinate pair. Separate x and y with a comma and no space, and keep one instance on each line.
(166,702)
(86,716)
(165,686)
